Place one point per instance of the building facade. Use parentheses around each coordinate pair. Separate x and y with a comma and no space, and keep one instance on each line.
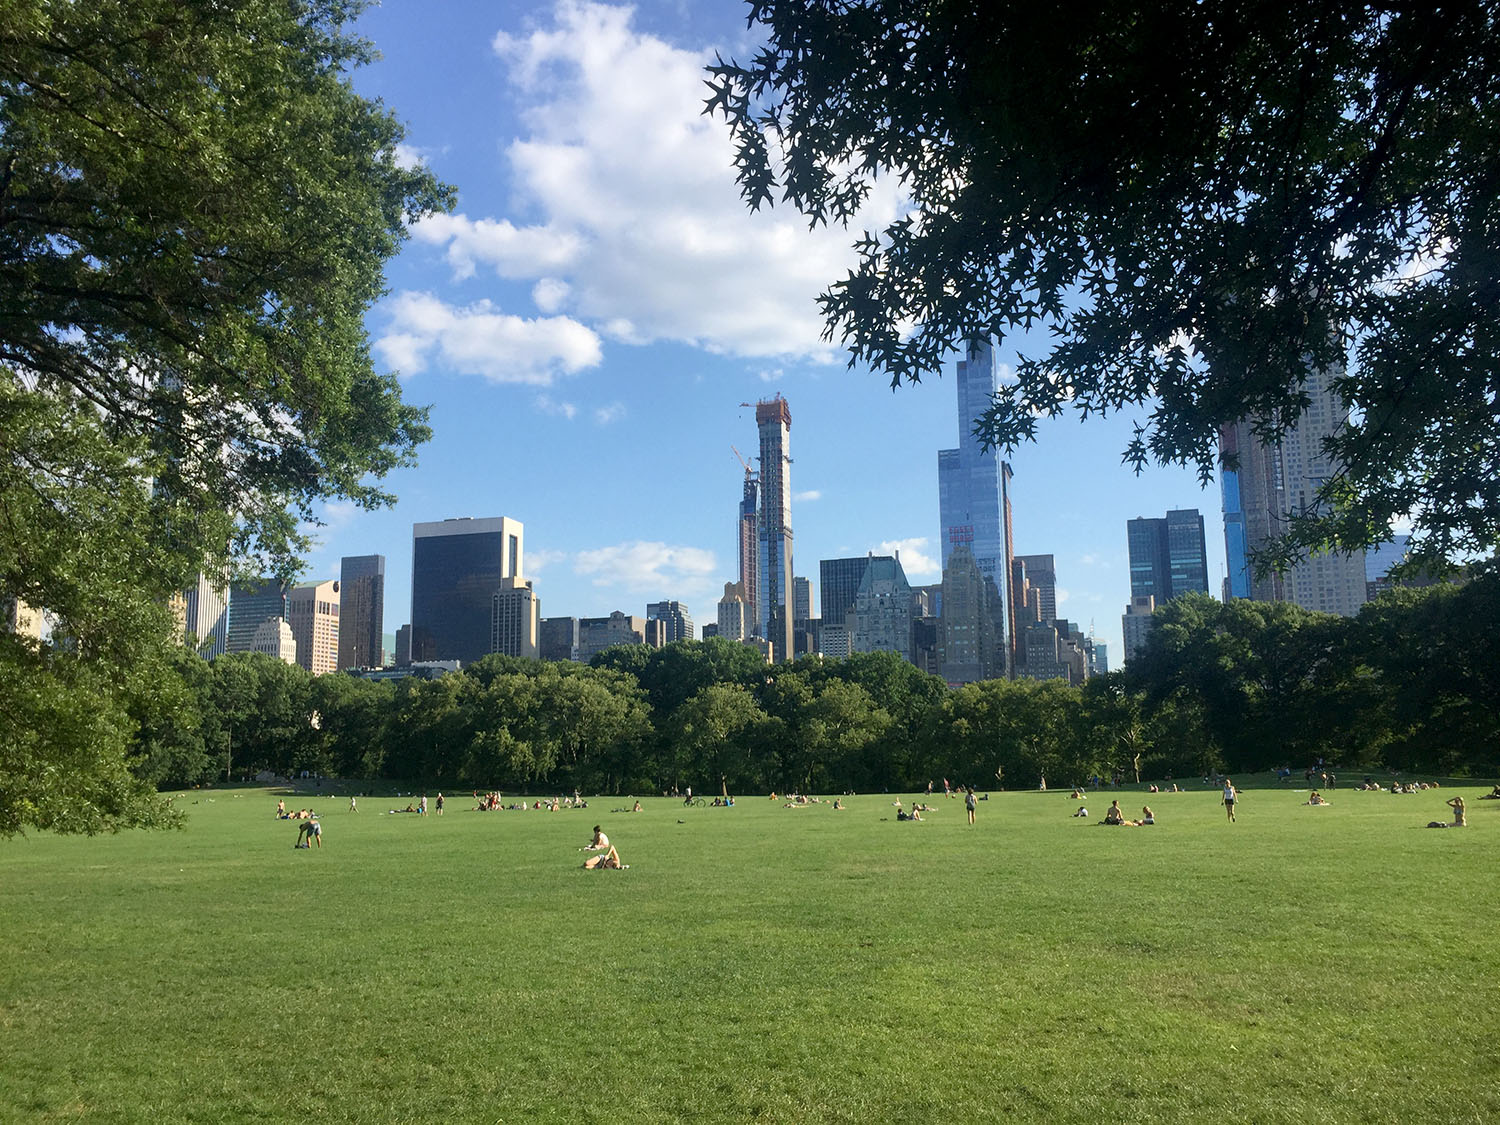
(458,565)
(1137,623)
(973,482)
(1041,573)
(250,606)
(773,602)
(1168,556)
(312,610)
(734,614)
(557,638)
(515,619)
(205,618)
(595,634)
(361,611)
(747,535)
(273,637)
(676,619)
(970,646)
(838,585)
(883,608)
(1265,482)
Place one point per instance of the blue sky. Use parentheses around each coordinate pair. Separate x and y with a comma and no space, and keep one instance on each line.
(588,320)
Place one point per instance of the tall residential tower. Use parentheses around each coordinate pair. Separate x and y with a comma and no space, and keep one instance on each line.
(773,603)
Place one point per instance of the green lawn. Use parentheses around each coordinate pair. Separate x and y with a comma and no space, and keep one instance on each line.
(1304,964)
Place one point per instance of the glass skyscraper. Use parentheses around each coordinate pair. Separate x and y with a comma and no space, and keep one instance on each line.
(362,611)
(457,567)
(970,492)
(1167,556)
(773,603)
(250,606)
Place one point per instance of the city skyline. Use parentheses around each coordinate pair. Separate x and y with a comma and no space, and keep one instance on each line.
(586,322)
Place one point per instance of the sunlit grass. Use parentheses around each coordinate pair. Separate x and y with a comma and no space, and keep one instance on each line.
(1302,964)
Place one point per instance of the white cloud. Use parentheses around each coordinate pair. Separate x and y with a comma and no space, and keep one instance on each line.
(1061,595)
(810,495)
(650,567)
(510,250)
(604,415)
(632,202)
(915,561)
(538,561)
(548,405)
(409,156)
(479,339)
(549,294)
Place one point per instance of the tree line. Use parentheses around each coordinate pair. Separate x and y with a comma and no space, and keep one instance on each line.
(1410,685)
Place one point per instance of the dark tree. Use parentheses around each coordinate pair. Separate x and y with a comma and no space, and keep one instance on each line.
(1197,200)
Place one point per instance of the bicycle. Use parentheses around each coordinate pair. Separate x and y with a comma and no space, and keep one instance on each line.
(693,802)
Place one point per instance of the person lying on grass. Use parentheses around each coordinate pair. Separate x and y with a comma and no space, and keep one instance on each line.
(1316,799)
(609,860)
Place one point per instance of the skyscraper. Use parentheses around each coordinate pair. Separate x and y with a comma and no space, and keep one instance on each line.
(1266,482)
(1041,573)
(312,610)
(362,611)
(968,643)
(972,482)
(1167,556)
(774,563)
(734,613)
(838,584)
(747,531)
(250,606)
(458,565)
(515,619)
(206,616)
(678,621)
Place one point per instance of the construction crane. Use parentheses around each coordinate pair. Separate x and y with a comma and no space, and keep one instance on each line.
(749,472)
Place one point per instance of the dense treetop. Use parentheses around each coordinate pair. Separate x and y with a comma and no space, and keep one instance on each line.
(1196,200)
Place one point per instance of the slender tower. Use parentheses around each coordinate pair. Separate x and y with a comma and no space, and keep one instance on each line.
(748,532)
(774,596)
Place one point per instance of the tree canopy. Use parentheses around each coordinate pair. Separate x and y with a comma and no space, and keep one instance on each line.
(1200,201)
(195,213)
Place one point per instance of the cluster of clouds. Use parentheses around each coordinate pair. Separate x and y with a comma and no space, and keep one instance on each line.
(633,230)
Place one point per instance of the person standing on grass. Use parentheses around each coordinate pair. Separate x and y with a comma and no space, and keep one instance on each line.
(970,804)
(440,804)
(1231,795)
(353,802)
(422,806)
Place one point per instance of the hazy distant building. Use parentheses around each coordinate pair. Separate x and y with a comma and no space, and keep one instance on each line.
(970,645)
(1168,556)
(403,646)
(1264,483)
(361,611)
(972,482)
(676,619)
(834,640)
(457,567)
(1041,572)
(273,637)
(882,608)
(250,606)
(1137,624)
(312,609)
(515,619)
(654,632)
(205,616)
(773,602)
(734,613)
(558,638)
(710,629)
(595,634)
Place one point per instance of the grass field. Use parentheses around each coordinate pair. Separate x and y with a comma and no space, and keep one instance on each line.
(1303,964)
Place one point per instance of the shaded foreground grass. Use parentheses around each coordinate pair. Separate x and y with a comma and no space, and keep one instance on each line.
(1333,964)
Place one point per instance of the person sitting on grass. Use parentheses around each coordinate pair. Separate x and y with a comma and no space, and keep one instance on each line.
(1147,816)
(1316,799)
(607,860)
(599,843)
(1082,811)
(1457,805)
(1114,814)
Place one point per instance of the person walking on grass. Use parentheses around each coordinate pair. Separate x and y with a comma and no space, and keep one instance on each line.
(1231,795)
(969,804)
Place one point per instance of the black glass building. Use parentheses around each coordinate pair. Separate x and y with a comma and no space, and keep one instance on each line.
(457,567)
